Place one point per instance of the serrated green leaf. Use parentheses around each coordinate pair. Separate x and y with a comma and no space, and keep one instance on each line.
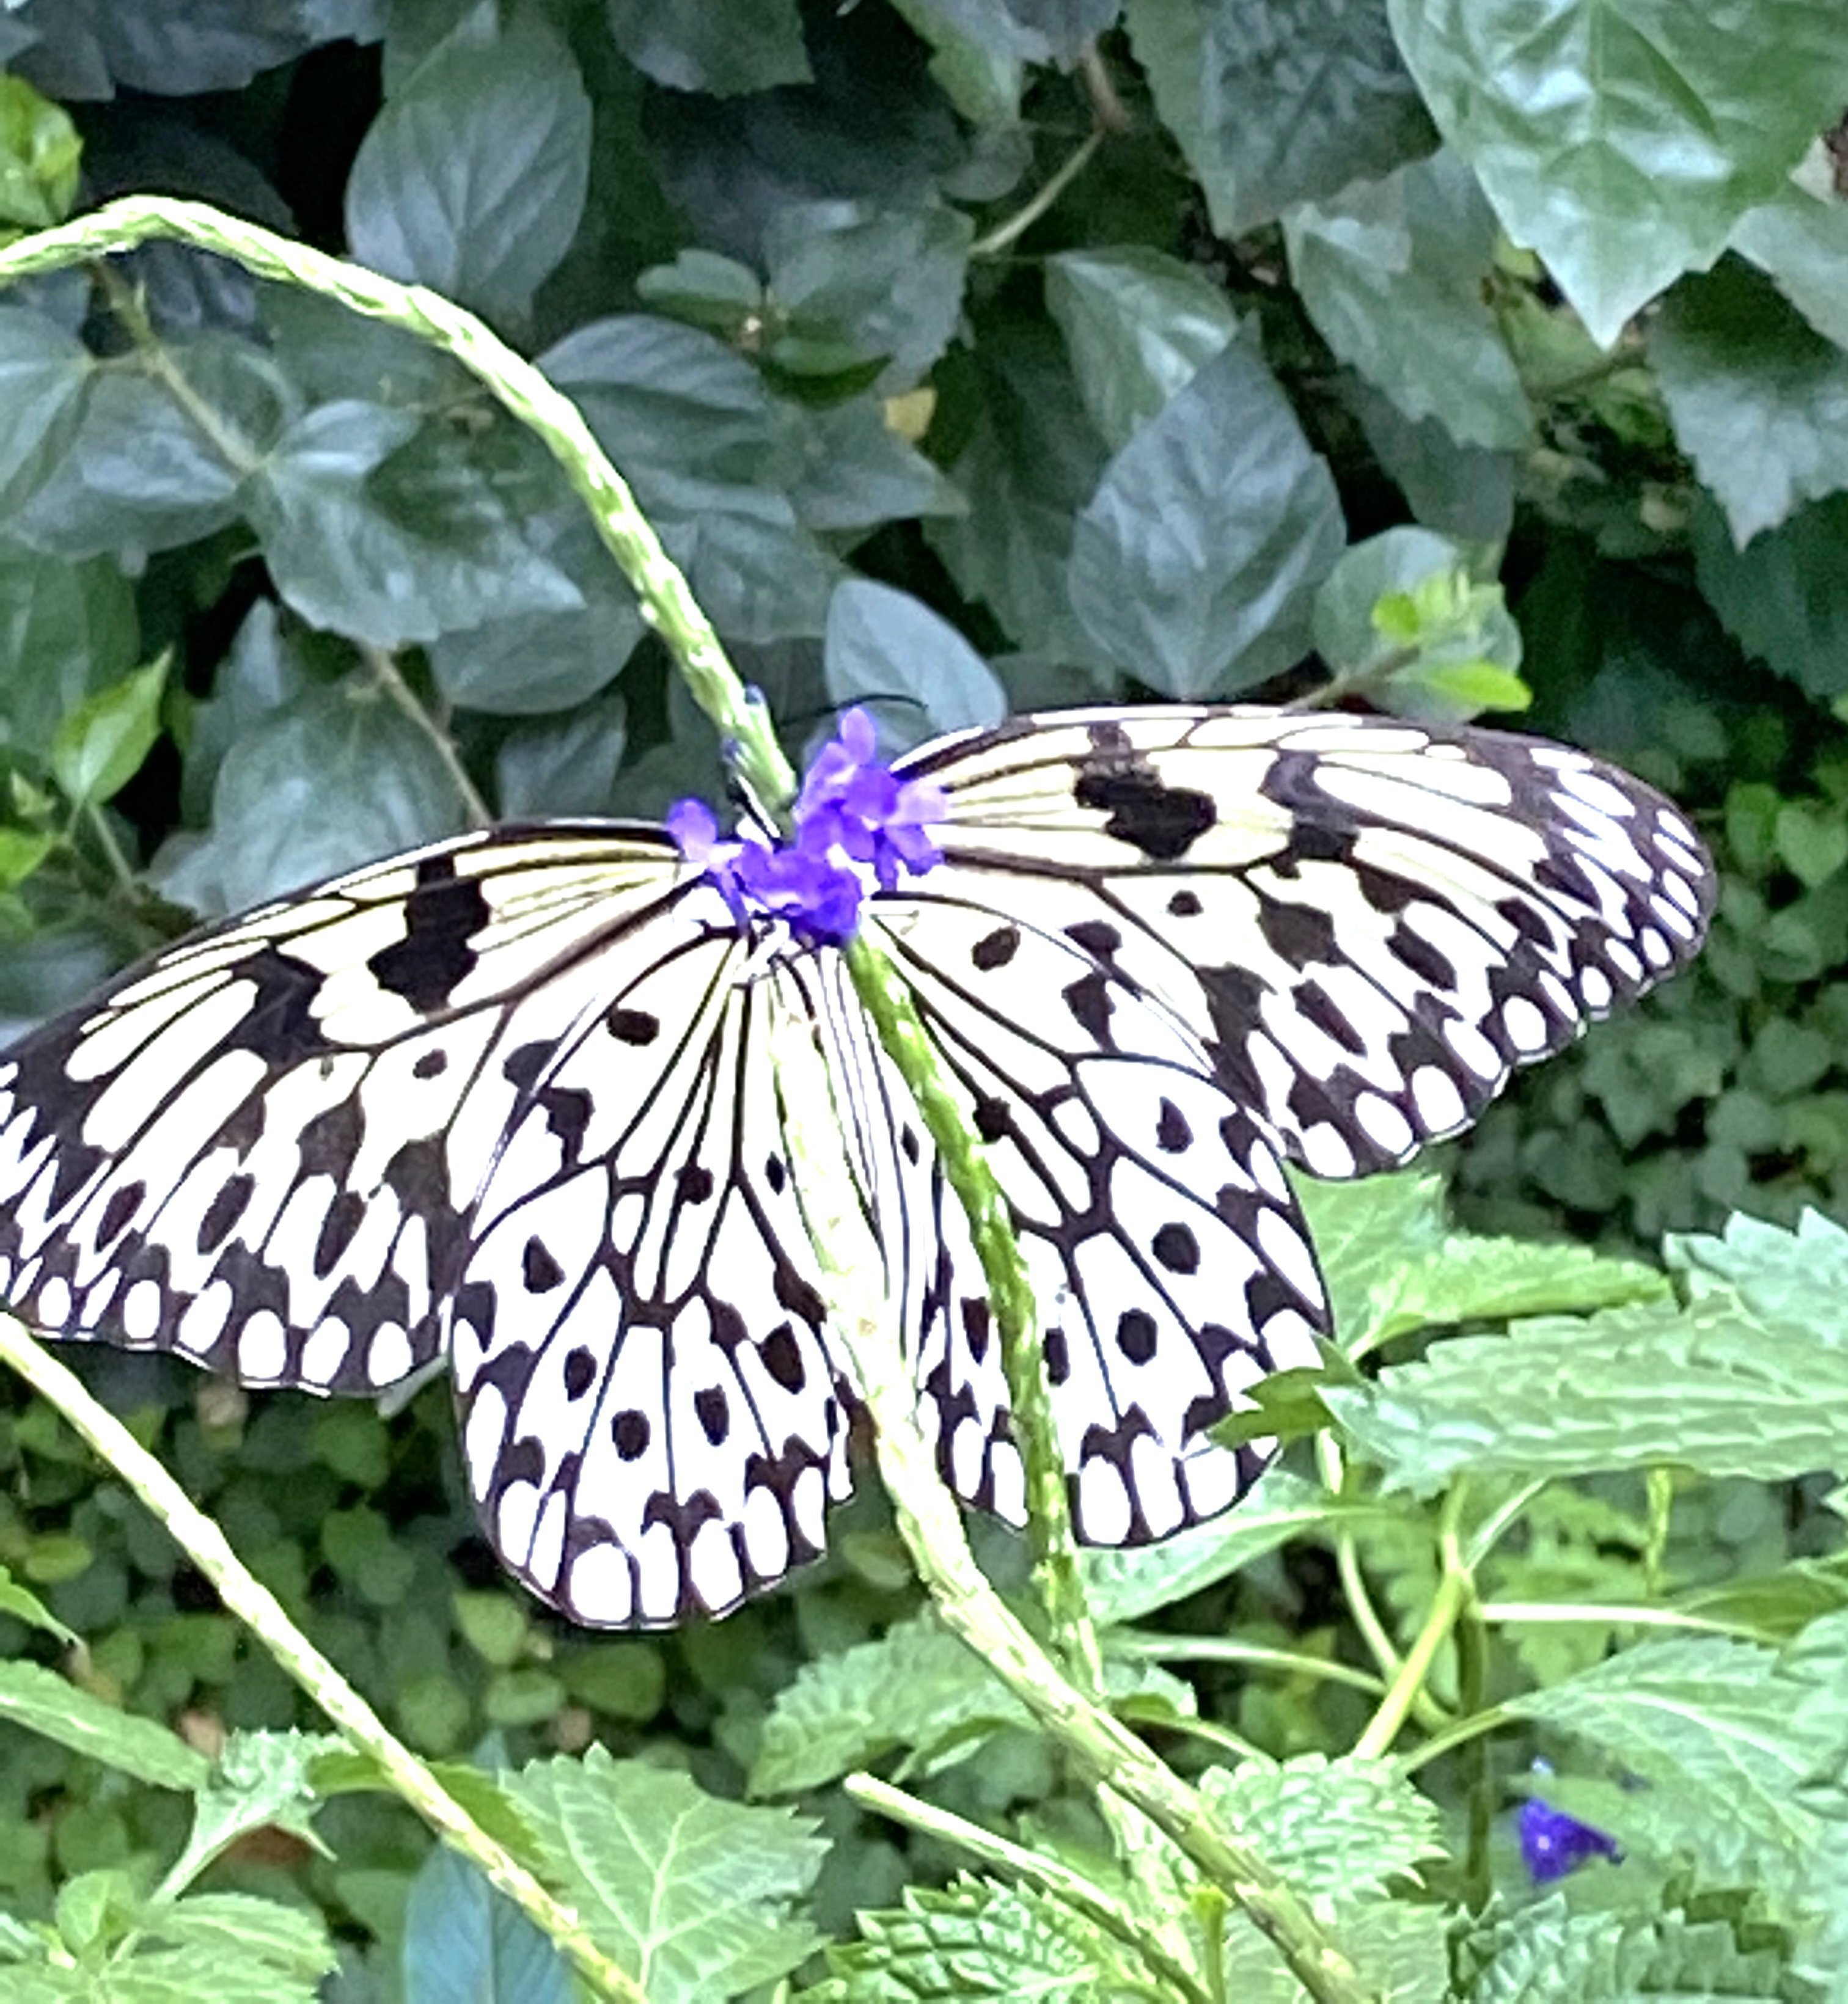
(1194,565)
(1709,1387)
(1342,1828)
(1797,1280)
(1391,271)
(473,178)
(722,46)
(973,1939)
(463,1939)
(260,1779)
(915,673)
(43,1702)
(693,1896)
(241,1925)
(103,743)
(1278,101)
(1800,243)
(1759,399)
(1365,1233)
(39,152)
(1627,151)
(1137,325)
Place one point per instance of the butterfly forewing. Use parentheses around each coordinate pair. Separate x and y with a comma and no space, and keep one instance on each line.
(1364,924)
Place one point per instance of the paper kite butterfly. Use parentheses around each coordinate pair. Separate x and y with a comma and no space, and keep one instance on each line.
(507,1097)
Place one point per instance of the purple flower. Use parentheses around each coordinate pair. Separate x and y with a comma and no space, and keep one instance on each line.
(852,811)
(851,802)
(1553,1844)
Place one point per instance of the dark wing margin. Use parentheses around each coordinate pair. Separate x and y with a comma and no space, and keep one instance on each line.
(1363,924)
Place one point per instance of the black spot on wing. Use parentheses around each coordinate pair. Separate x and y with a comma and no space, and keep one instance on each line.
(443,916)
(1141,809)
(1299,934)
(279,1025)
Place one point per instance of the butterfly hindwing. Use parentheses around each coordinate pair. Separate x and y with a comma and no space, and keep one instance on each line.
(1365,924)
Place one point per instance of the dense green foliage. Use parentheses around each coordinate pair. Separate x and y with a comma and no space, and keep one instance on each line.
(971,355)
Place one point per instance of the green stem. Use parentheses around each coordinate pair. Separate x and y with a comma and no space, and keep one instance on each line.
(1618,1614)
(1456,1589)
(849,1262)
(390,678)
(1459,1733)
(1004,234)
(1223,1649)
(1049,1874)
(1472,1678)
(888,1001)
(258,1609)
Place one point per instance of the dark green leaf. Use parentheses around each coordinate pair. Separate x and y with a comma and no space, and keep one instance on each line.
(566,767)
(40,150)
(1137,324)
(978,53)
(1276,102)
(463,1939)
(335,778)
(43,373)
(432,547)
(1759,399)
(45,1702)
(101,745)
(471,179)
(1194,565)
(24,1606)
(1392,272)
(723,46)
(917,673)
(695,1896)
(856,472)
(1460,491)
(884,284)
(1334,1828)
(263,669)
(66,632)
(1800,243)
(1626,146)
(1784,597)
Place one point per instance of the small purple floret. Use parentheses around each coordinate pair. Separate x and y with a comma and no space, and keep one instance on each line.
(852,810)
(1553,1844)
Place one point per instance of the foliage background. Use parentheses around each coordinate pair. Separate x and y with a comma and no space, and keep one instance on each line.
(969,355)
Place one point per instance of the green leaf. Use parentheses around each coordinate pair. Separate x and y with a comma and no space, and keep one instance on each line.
(44,373)
(1365,1233)
(1708,1387)
(1031,463)
(1626,143)
(40,151)
(975,1939)
(1276,102)
(240,1926)
(908,664)
(45,1702)
(693,1896)
(1339,1828)
(1125,1585)
(463,1939)
(1800,243)
(67,631)
(1795,1281)
(355,561)
(1392,273)
(563,766)
(723,46)
(471,179)
(978,53)
(1194,567)
(331,780)
(856,472)
(1783,597)
(25,1606)
(260,1779)
(1759,399)
(1729,1734)
(1460,491)
(104,742)
(882,284)
(1137,324)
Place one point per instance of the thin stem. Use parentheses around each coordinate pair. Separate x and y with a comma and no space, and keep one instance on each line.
(1459,1733)
(1107,108)
(1494,1527)
(1005,234)
(849,1264)
(1216,1735)
(390,678)
(1472,1677)
(240,457)
(1618,1614)
(1224,1649)
(1455,1588)
(1049,1874)
(257,1608)
(118,863)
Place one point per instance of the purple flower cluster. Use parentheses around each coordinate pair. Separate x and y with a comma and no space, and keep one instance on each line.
(853,811)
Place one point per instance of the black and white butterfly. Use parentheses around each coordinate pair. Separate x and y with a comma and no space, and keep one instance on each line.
(507,1097)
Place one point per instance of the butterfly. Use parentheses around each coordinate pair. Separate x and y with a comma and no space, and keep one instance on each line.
(506,1101)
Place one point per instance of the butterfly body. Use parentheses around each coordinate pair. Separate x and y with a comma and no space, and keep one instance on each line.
(507,1099)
